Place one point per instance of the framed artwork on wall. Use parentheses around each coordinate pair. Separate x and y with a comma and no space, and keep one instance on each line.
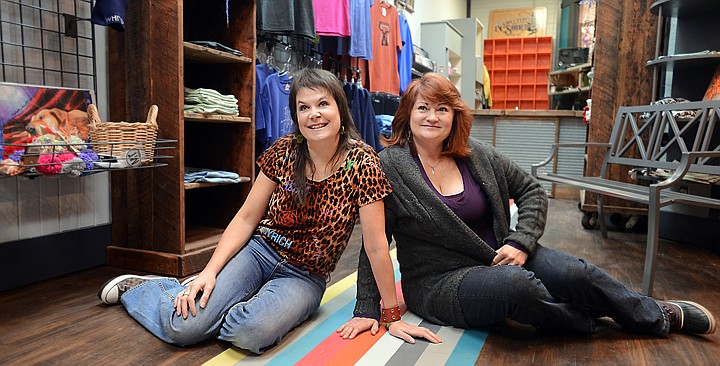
(408,5)
(28,111)
(38,124)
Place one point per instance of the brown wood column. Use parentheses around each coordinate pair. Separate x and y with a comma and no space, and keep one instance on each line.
(625,41)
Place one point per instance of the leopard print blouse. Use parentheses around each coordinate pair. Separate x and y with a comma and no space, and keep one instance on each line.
(313,237)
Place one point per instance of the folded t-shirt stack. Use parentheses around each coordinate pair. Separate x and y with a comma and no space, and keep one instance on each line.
(209,101)
(198,175)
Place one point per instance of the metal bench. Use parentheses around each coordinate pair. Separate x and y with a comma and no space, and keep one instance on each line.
(652,137)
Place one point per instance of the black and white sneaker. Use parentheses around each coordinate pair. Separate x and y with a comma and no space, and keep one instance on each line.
(111,291)
(689,317)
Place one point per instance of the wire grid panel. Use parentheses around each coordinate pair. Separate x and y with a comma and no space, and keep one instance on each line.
(47,42)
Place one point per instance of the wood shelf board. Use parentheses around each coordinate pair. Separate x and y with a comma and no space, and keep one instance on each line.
(683,8)
(171,264)
(572,91)
(687,60)
(200,237)
(574,69)
(527,113)
(208,55)
(206,185)
(215,118)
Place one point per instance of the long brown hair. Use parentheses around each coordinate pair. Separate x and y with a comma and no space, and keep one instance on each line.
(434,88)
(318,79)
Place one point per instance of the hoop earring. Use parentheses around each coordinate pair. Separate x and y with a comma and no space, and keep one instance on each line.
(299,138)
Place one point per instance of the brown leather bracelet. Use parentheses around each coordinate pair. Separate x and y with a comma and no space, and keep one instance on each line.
(389,315)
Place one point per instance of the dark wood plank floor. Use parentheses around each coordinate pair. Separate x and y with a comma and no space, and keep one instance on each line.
(61,321)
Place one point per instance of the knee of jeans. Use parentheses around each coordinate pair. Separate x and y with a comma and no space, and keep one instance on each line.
(251,338)
(185,333)
(252,333)
(523,285)
(580,274)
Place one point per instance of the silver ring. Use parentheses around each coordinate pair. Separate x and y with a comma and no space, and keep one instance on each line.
(185,294)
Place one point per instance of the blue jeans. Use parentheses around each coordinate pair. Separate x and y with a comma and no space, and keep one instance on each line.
(558,291)
(258,298)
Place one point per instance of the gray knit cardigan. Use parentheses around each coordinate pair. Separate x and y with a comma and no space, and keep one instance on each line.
(435,248)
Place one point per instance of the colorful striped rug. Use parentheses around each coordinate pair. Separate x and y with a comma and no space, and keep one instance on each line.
(316,343)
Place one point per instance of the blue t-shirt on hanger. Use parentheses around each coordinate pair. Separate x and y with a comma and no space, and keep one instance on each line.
(405,56)
(275,110)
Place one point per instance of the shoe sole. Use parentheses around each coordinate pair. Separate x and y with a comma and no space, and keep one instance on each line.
(187,281)
(109,284)
(711,318)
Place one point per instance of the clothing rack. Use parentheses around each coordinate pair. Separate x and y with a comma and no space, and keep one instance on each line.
(288,52)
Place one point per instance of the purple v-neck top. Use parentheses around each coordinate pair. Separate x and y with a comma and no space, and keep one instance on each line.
(470,205)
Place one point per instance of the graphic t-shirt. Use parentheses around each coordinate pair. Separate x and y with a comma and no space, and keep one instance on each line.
(315,236)
(386,43)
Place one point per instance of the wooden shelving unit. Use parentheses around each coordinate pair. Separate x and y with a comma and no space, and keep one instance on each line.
(572,80)
(161,224)
(680,68)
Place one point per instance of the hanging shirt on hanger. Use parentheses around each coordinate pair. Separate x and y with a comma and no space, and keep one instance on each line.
(386,43)
(286,16)
(275,110)
(332,17)
(405,57)
(262,71)
(361,109)
(360,31)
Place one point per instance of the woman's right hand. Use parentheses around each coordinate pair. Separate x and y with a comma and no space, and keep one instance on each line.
(357,325)
(185,300)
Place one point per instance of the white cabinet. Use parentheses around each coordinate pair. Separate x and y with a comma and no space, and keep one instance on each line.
(443,43)
(471,84)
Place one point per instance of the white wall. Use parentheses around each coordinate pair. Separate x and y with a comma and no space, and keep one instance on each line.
(44,206)
(431,11)
(481,9)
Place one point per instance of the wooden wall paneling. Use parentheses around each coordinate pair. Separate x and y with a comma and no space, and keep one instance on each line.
(49,198)
(625,41)
(29,222)
(68,203)
(89,201)
(9,214)
(146,211)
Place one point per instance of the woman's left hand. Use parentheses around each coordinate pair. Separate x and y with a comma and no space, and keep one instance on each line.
(509,255)
(356,325)
(397,329)
(406,332)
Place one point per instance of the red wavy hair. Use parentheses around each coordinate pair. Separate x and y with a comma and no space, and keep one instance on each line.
(434,88)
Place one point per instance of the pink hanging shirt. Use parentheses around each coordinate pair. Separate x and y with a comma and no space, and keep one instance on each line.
(332,17)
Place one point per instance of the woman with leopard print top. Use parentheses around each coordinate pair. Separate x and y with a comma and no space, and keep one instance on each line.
(269,270)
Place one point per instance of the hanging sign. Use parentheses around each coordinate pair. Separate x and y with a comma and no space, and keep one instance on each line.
(521,22)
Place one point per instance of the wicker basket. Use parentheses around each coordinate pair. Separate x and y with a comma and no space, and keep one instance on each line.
(115,138)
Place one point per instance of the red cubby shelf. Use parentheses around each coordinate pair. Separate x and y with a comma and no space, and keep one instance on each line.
(518,70)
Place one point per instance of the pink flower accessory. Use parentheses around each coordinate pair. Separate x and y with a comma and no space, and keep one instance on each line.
(50,164)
